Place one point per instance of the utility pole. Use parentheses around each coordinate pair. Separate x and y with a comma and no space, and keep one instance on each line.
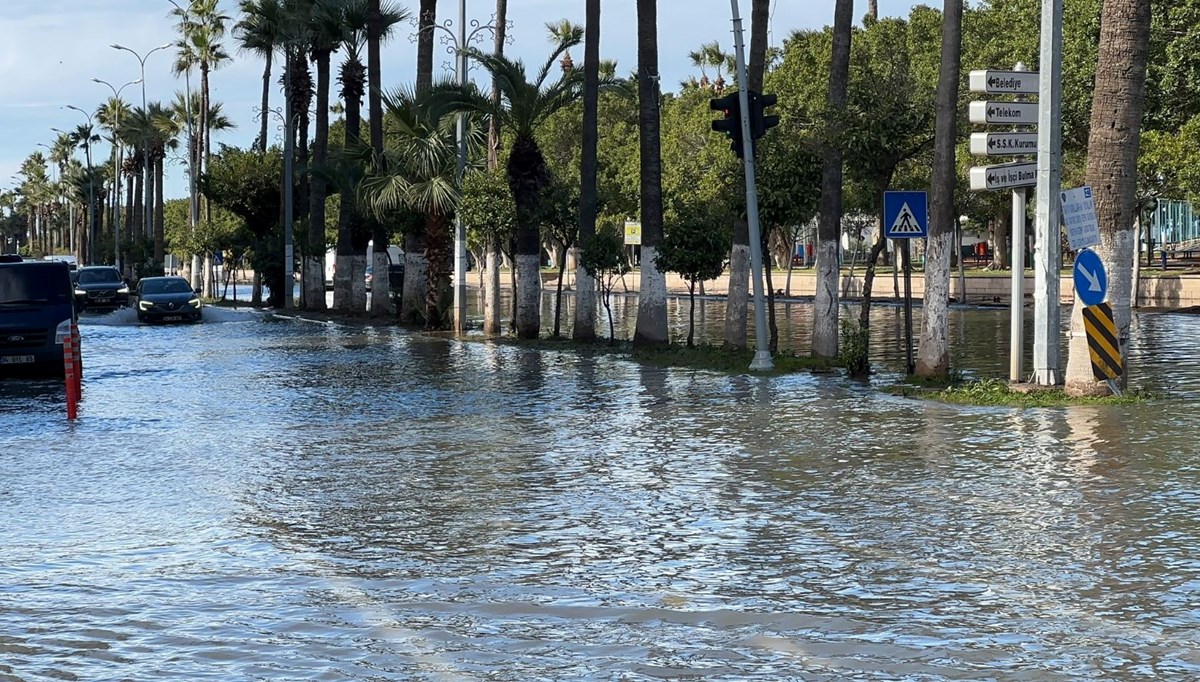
(1047,312)
(762,356)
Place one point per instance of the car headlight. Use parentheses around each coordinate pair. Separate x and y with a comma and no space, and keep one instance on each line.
(195,302)
(124,289)
(80,292)
(145,305)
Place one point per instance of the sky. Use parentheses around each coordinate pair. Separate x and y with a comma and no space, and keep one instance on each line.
(51,49)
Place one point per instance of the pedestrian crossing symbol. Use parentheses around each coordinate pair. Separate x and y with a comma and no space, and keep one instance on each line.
(905,215)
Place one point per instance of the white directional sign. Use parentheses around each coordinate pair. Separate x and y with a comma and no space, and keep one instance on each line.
(1004,144)
(1003,113)
(1003,176)
(1079,214)
(1005,82)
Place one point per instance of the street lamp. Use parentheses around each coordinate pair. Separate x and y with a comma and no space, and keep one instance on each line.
(145,148)
(117,160)
(457,44)
(91,209)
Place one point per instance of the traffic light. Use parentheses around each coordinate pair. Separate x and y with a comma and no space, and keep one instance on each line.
(760,123)
(731,125)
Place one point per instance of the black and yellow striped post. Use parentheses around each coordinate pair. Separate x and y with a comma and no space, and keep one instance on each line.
(1103,345)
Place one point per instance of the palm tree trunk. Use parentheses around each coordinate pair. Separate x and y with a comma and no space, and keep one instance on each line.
(139,215)
(130,210)
(159,215)
(1113,147)
(585,286)
(349,289)
(873,9)
(266,104)
(381,297)
(491,291)
(314,270)
(825,312)
(425,21)
(526,176)
(760,19)
(151,192)
(933,352)
(652,298)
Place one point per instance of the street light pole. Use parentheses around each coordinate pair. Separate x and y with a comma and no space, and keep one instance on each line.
(91,209)
(1047,310)
(117,153)
(460,229)
(149,201)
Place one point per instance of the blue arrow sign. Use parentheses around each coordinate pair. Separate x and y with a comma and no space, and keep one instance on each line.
(905,215)
(1091,282)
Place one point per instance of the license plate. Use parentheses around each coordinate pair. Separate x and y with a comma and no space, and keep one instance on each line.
(102,300)
(172,318)
(16,359)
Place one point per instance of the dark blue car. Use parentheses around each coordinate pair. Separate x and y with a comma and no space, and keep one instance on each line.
(37,309)
(166,299)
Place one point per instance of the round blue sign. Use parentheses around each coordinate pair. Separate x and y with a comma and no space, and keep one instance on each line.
(1091,282)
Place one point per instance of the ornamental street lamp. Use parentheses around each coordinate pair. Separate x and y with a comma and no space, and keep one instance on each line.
(149,206)
(91,209)
(118,151)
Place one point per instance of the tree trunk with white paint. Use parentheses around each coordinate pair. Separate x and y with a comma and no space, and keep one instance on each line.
(529,296)
(416,272)
(738,296)
(358,282)
(491,293)
(652,298)
(1113,147)
(381,299)
(343,296)
(933,351)
(314,283)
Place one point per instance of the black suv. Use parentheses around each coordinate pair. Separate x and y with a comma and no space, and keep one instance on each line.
(36,312)
(100,287)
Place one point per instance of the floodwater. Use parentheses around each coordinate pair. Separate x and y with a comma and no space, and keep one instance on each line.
(261,499)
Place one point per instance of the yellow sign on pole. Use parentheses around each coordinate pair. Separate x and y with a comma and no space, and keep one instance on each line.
(1103,346)
(633,233)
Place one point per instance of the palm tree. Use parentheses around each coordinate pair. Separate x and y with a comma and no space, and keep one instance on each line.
(1113,148)
(419,172)
(525,105)
(381,298)
(652,299)
(327,31)
(585,287)
(349,292)
(166,128)
(825,313)
(933,353)
(491,292)
(201,28)
(109,116)
(426,18)
(261,31)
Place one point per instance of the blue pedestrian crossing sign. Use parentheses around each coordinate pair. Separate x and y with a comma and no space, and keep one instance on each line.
(1091,282)
(905,215)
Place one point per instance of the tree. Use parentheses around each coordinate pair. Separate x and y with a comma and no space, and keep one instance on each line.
(1112,170)
(559,216)
(652,298)
(419,172)
(261,31)
(604,260)
(694,247)
(585,292)
(525,106)
(381,303)
(493,247)
(933,352)
(825,313)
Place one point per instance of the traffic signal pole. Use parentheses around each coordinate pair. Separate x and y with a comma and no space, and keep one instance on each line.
(762,356)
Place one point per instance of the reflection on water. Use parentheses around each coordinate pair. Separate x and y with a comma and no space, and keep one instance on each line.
(282,500)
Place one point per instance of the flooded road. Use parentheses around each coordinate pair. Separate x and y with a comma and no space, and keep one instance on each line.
(261,499)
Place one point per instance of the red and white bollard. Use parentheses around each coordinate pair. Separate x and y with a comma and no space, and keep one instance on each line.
(71,373)
(78,346)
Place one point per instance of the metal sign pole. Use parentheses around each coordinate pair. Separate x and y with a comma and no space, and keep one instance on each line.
(908,317)
(1047,312)
(1016,339)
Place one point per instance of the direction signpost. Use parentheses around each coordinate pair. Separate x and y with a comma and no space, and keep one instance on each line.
(905,217)
(1015,175)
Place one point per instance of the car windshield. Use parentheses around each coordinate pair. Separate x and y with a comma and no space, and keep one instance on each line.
(102,276)
(34,284)
(166,286)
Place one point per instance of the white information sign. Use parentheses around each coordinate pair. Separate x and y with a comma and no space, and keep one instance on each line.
(1079,215)
(1008,82)
(1004,144)
(1003,113)
(1003,176)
